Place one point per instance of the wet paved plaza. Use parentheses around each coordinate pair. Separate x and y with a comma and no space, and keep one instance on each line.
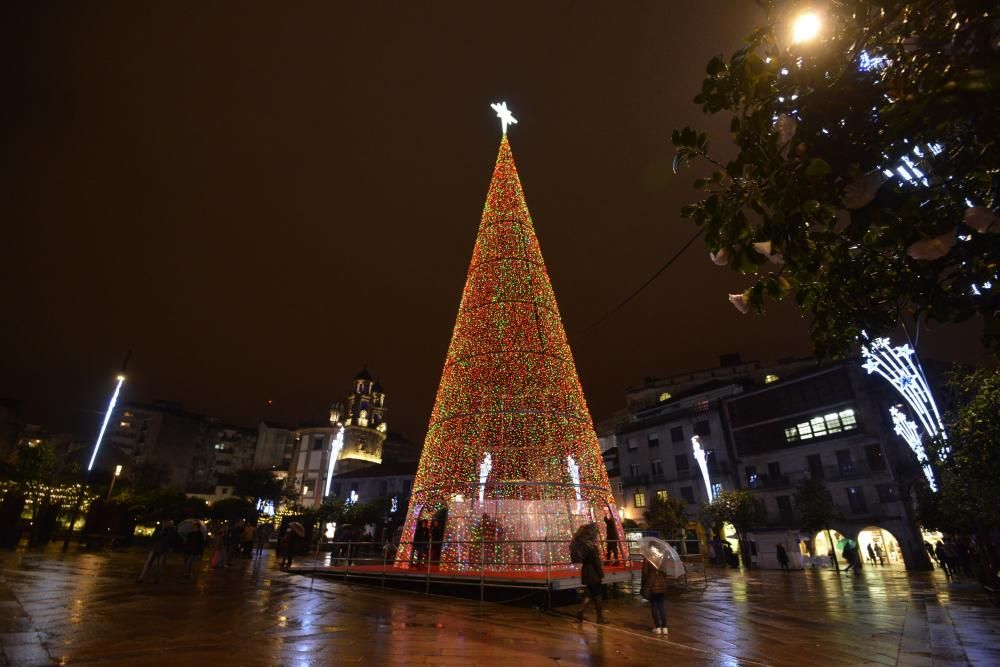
(86,608)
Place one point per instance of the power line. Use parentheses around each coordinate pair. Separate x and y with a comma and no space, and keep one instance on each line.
(647,283)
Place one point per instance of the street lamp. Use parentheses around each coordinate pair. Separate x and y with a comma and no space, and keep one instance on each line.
(806,26)
(118,471)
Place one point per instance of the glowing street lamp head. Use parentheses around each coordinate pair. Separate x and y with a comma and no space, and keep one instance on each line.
(504,114)
(118,470)
(806,27)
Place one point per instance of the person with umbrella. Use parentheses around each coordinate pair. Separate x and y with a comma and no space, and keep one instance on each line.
(659,561)
(583,550)
(164,539)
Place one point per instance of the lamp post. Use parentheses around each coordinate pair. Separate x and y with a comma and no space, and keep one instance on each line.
(118,471)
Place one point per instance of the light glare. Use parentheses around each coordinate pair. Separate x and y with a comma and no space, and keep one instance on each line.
(806,27)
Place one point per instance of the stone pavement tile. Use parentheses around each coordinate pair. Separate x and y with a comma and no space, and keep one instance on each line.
(27,655)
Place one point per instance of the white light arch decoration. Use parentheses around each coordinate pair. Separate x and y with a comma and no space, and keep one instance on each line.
(899,366)
(702,459)
(908,431)
(574,474)
(336,444)
(484,473)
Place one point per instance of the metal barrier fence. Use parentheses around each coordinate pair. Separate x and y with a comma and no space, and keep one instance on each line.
(370,560)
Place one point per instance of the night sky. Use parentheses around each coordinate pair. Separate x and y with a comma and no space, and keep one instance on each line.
(260,198)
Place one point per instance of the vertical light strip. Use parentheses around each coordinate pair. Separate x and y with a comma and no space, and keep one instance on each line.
(107,418)
(336,444)
(574,474)
(702,459)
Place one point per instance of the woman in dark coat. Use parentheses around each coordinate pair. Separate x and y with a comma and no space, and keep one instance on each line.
(591,573)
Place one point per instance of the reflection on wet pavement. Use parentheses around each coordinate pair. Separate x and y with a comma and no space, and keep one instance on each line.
(81,608)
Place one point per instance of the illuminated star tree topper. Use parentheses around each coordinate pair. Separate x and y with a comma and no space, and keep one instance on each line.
(504,114)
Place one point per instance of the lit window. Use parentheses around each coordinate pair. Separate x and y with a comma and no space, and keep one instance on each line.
(128,413)
(847,419)
(640,499)
(662,495)
(125,424)
(804,431)
(768,379)
(665,396)
(818,426)
(791,434)
(832,423)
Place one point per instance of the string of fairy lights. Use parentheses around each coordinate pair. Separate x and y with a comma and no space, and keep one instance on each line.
(511,456)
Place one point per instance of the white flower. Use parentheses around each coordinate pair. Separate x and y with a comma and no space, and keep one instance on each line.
(861,191)
(741,302)
(720,258)
(764,248)
(982,219)
(932,248)
(785,127)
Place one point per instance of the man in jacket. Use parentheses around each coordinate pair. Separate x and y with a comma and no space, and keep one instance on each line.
(591,572)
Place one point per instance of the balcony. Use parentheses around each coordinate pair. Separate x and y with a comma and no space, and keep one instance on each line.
(635,480)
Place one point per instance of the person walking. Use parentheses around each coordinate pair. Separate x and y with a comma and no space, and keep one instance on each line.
(246,540)
(194,547)
(871,554)
(292,537)
(654,589)
(264,533)
(879,554)
(583,549)
(782,556)
(850,554)
(233,535)
(611,533)
(164,539)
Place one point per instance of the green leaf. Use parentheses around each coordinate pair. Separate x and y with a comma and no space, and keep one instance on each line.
(817,168)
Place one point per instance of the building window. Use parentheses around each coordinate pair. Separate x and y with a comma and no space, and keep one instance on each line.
(687,493)
(631,443)
(318,442)
(701,406)
(662,495)
(634,470)
(844,462)
(856,499)
(681,463)
(886,493)
(640,499)
(653,439)
(665,396)
(815,466)
(774,472)
(656,467)
(752,479)
(702,428)
(716,489)
(876,459)
(677,434)
(785,509)
(821,426)
(770,378)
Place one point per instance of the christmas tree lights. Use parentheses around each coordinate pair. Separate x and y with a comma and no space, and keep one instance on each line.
(511,463)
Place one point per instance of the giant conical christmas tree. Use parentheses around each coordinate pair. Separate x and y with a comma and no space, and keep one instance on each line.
(511,459)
